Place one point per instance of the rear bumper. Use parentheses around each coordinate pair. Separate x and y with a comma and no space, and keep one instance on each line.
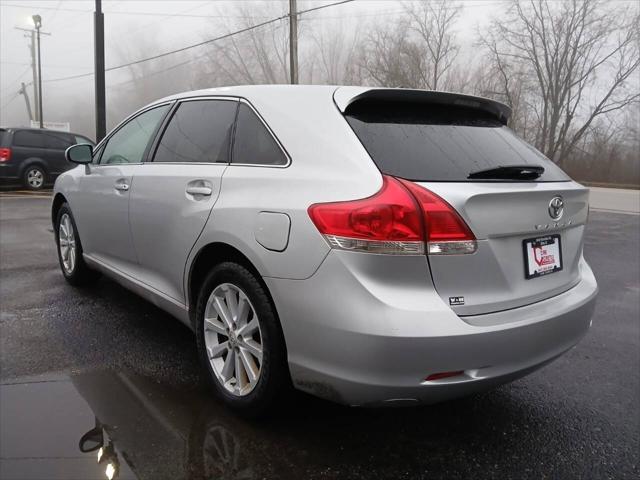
(364,335)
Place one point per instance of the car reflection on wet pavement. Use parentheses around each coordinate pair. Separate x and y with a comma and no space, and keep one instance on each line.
(115,426)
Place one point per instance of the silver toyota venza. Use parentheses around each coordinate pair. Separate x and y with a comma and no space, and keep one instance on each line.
(369,246)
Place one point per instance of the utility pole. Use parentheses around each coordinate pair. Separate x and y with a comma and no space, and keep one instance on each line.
(37,21)
(293,41)
(98,57)
(32,49)
(23,91)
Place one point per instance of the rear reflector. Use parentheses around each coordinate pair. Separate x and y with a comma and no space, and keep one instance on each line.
(441,375)
(397,220)
(5,154)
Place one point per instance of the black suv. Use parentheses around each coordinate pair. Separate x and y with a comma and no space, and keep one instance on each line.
(35,156)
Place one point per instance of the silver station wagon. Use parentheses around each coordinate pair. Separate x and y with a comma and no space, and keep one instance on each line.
(369,246)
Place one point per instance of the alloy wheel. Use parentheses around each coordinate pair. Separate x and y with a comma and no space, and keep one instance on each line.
(233,339)
(67,243)
(35,178)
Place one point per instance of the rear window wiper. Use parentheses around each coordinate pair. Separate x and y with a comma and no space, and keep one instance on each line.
(509,172)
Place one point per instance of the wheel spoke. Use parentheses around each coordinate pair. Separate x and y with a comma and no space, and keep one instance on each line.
(64,242)
(72,258)
(221,308)
(218,350)
(253,347)
(249,328)
(240,374)
(232,303)
(249,365)
(243,310)
(229,366)
(213,325)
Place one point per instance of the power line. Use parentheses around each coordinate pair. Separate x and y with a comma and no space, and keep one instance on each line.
(199,44)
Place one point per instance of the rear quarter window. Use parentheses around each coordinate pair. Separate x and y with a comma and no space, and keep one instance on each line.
(253,143)
(423,142)
(29,138)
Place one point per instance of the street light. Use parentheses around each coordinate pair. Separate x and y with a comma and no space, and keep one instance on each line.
(37,22)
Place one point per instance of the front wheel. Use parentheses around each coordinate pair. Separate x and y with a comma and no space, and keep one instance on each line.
(240,342)
(72,264)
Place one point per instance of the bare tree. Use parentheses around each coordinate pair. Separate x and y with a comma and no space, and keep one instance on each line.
(392,59)
(432,21)
(335,53)
(576,61)
(257,56)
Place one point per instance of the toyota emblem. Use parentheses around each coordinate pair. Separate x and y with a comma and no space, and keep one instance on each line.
(556,208)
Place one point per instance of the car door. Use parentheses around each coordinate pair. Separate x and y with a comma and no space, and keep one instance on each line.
(101,208)
(172,195)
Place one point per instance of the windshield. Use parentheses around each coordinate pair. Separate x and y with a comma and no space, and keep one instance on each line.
(442,143)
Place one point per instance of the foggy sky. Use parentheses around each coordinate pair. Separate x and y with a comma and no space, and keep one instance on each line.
(167,24)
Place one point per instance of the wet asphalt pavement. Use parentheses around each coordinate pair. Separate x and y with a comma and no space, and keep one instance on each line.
(85,368)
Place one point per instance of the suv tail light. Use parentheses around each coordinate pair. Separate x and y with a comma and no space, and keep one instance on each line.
(5,154)
(446,231)
(398,220)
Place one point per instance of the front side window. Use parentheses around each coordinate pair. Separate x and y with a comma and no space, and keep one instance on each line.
(129,143)
(58,140)
(253,143)
(199,131)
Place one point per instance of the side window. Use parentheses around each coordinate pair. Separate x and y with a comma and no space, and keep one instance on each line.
(29,138)
(81,139)
(199,131)
(128,144)
(58,140)
(253,143)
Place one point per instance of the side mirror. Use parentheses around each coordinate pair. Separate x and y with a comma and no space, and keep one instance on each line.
(81,153)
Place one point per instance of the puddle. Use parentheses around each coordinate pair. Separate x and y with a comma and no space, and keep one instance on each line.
(115,426)
(123,425)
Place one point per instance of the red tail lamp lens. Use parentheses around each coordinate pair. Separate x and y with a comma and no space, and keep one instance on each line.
(5,154)
(391,214)
(442,222)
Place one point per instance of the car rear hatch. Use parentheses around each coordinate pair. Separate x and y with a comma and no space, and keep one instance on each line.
(527,215)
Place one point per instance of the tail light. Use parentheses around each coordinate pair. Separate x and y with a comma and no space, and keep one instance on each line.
(446,231)
(5,154)
(398,220)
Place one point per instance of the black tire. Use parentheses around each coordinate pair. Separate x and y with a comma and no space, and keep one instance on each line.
(274,381)
(34,177)
(80,275)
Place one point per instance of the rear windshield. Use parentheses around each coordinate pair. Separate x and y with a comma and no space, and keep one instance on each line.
(424,142)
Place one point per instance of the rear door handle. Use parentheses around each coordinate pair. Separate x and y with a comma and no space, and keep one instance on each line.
(199,191)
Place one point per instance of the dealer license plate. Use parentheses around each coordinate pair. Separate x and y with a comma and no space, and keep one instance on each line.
(542,256)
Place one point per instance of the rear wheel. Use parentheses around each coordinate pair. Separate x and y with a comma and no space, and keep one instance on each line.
(72,264)
(240,342)
(34,177)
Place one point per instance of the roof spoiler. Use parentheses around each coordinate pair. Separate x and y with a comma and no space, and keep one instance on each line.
(344,97)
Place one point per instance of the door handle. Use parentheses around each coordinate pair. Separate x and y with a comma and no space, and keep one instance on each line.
(199,191)
(123,187)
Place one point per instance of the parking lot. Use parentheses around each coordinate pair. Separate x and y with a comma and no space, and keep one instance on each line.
(72,359)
